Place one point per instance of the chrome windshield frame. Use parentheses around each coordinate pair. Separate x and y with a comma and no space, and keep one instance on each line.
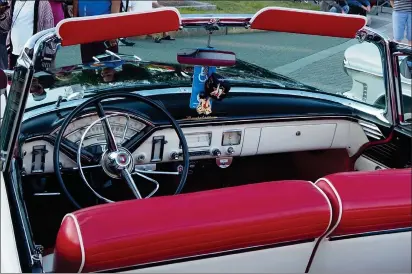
(35,44)
(26,60)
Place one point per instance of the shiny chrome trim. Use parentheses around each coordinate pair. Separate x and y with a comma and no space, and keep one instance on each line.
(100,135)
(26,59)
(156,172)
(382,42)
(79,162)
(398,87)
(371,130)
(47,194)
(348,67)
(8,72)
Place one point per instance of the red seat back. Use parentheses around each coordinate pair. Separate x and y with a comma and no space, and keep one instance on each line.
(369,201)
(136,232)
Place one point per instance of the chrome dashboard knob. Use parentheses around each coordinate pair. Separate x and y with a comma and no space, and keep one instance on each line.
(216,152)
(174,155)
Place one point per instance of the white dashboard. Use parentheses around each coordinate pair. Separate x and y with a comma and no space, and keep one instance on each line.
(212,141)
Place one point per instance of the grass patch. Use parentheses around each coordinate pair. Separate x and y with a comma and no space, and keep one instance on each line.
(248,6)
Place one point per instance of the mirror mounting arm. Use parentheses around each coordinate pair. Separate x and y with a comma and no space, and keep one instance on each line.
(212,26)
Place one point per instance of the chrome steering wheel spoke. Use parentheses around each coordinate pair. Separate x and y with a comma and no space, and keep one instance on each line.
(127,176)
(110,139)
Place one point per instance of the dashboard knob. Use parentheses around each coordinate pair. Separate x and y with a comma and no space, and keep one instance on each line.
(174,156)
(216,152)
(141,157)
(230,150)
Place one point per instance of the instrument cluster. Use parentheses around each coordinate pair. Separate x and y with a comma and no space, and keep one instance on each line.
(124,126)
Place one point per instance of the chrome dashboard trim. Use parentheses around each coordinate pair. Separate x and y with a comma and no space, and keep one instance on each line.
(371,130)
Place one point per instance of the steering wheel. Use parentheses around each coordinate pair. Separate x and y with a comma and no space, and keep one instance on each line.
(116,161)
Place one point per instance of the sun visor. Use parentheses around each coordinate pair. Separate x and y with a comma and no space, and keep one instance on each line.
(307,22)
(81,30)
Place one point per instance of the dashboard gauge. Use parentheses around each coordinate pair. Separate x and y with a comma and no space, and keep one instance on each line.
(123,128)
(195,140)
(231,138)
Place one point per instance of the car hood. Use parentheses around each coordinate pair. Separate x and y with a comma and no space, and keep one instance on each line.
(75,82)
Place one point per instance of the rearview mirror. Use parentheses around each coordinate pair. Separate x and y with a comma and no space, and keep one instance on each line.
(206,57)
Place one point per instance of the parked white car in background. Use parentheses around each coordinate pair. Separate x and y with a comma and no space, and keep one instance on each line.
(362,62)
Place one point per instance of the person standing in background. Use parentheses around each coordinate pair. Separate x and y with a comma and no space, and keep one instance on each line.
(3,39)
(129,5)
(82,8)
(165,35)
(402,20)
(57,9)
(21,20)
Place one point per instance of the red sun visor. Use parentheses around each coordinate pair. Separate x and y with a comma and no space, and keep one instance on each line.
(81,30)
(308,22)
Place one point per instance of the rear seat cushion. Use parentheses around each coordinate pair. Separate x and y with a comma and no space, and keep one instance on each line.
(142,231)
(369,201)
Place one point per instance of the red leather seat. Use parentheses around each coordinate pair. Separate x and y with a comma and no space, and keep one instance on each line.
(136,232)
(369,201)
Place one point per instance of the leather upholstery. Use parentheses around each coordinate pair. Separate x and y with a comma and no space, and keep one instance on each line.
(142,231)
(369,201)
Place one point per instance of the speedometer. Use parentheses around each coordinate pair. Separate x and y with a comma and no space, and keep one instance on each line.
(123,127)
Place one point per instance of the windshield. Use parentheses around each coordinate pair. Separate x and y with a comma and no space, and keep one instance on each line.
(270,60)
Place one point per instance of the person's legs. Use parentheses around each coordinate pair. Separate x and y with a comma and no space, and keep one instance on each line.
(96,48)
(409,28)
(398,24)
(165,36)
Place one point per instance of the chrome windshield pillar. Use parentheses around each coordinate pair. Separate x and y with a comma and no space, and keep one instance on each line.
(18,94)
(383,43)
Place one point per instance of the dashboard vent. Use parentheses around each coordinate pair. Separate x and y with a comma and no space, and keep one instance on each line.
(383,153)
(371,130)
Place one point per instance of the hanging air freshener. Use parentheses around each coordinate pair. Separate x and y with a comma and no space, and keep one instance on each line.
(216,87)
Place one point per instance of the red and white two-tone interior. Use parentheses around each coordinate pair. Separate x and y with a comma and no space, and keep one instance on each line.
(277,182)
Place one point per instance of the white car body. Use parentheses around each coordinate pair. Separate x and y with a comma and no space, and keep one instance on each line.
(10,262)
(362,62)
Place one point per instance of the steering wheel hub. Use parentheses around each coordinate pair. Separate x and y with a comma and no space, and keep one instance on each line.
(114,162)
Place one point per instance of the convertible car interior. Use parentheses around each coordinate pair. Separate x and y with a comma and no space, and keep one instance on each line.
(273,180)
(302,179)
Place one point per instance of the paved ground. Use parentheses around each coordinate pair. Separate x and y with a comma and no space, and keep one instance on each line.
(313,60)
